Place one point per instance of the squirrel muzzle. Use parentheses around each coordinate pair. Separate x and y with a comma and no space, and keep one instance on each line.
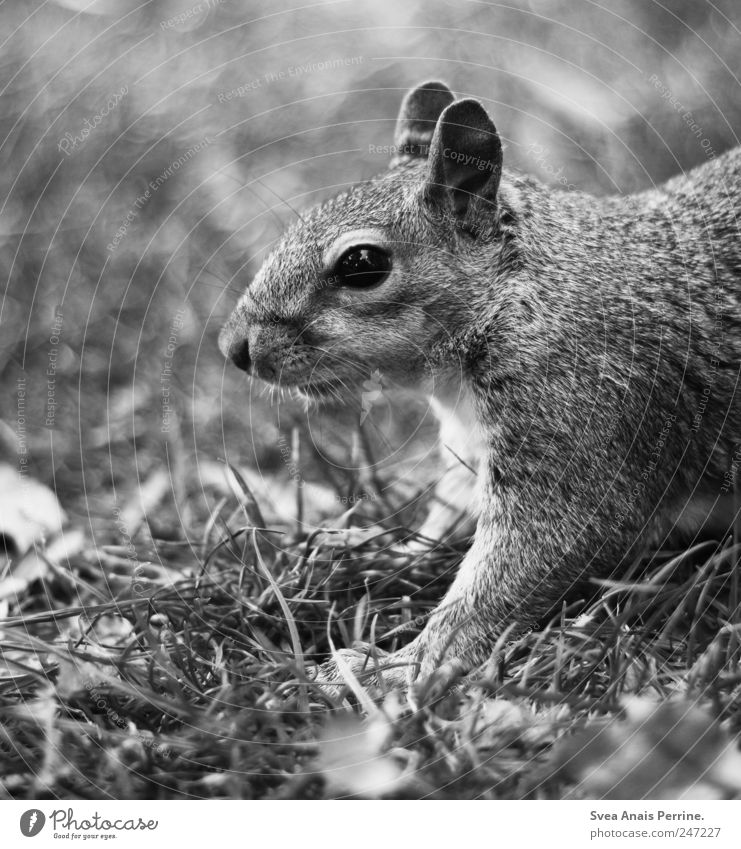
(234,344)
(265,350)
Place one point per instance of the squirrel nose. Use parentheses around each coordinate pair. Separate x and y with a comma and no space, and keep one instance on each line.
(235,346)
(239,353)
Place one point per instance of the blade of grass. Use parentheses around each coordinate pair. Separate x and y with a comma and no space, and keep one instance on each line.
(290,621)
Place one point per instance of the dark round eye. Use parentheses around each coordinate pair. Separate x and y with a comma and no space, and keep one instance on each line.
(362,266)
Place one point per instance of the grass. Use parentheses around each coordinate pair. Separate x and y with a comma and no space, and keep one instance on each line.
(189,674)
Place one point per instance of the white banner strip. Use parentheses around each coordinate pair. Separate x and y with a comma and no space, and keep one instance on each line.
(372,824)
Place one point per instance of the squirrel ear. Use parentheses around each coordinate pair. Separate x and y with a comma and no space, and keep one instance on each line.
(418,116)
(465,156)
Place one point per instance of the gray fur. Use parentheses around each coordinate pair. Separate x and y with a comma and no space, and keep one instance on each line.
(599,339)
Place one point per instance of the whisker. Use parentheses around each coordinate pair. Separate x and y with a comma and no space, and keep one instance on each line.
(281,199)
(223,285)
(255,194)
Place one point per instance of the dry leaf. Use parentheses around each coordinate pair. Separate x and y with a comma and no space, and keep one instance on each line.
(352,758)
(29,511)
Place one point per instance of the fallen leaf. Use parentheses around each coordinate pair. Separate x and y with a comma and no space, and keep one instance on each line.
(352,759)
(29,511)
(36,564)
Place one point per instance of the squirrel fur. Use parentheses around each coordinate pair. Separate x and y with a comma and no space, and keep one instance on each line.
(583,354)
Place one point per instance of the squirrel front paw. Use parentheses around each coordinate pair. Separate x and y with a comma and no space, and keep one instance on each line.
(370,667)
(374,669)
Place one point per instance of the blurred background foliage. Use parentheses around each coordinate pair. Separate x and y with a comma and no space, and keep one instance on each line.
(245,83)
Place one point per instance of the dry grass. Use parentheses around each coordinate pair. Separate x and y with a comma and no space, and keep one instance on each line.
(190,674)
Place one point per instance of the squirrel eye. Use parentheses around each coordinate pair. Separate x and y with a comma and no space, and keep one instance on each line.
(363,266)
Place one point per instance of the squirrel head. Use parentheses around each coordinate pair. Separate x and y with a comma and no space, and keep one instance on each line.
(379,278)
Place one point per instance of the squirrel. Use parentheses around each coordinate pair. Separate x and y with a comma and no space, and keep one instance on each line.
(582,354)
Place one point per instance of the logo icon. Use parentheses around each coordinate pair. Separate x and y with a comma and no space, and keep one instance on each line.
(32,822)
